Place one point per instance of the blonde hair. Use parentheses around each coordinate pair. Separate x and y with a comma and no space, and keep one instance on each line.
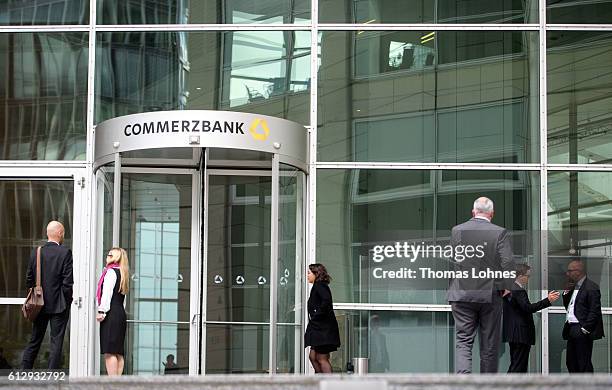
(124,269)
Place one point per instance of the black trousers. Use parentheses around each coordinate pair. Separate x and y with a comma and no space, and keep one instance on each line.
(519,357)
(39,328)
(579,351)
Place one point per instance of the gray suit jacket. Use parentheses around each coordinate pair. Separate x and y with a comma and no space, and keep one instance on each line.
(497,256)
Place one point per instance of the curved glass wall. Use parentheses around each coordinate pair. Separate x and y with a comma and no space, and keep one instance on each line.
(429,96)
(216,261)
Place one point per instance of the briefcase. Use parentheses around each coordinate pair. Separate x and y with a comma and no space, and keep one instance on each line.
(34,301)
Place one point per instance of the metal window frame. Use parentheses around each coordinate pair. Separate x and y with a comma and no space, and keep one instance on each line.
(84,361)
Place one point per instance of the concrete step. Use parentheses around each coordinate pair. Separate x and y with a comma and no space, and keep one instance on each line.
(326,382)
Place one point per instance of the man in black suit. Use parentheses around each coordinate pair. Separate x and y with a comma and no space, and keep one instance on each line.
(56,281)
(518,327)
(476,302)
(584,321)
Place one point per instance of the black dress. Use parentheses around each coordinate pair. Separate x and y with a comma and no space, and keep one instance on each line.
(112,329)
(322,333)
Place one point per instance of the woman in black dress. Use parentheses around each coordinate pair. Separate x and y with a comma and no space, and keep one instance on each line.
(322,333)
(112,288)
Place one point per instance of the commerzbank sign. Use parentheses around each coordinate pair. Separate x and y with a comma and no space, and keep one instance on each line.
(200,128)
(258,128)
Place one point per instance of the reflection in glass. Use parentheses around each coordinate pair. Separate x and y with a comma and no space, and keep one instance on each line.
(580,226)
(427,96)
(237,349)
(578,11)
(156,232)
(15,332)
(105,178)
(384,337)
(27,207)
(264,72)
(558,347)
(43,96)
(288,352)
(290,250)
(238,265)
(148,346)
(357,209)
(35,12)
(579,97)
(203,11)
(290,264)
(419,11)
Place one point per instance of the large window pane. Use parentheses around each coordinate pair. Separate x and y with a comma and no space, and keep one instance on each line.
(43,96)
(237,349)
(428,11)
(27,207)
(385,336)
(15,332)
(558,347)
(579,97)
(579,227)
(203,11)
(266,72)
(578,11)
(238,279)
(149,345)
(30,12)
(358,209)
(156,232)
(429,96)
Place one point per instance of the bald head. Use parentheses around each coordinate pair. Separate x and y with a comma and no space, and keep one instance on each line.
(483,207)
(55,231)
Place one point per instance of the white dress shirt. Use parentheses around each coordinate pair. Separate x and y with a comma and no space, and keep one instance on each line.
(107,290)
(570,316)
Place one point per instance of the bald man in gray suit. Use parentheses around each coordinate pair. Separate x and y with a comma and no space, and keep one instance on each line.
(476,303)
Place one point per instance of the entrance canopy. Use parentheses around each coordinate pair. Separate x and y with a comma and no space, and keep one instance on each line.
(172,135)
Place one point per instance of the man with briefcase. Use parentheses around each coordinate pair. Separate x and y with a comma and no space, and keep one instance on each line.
(49,281)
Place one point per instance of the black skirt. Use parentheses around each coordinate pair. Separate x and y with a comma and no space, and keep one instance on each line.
(324,349)
(112,331)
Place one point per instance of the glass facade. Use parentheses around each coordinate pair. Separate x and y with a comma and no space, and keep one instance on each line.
(426,95)
(414,108)
(43,95)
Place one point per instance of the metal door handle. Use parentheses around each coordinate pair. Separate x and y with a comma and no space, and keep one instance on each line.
(193,319)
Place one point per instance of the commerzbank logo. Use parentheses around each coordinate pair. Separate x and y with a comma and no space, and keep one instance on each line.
(259,129)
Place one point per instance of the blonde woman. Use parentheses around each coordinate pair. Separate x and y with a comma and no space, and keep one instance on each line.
(112,288)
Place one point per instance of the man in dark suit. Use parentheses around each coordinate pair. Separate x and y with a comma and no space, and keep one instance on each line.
(584,321)
(56,281)
(519,329)
(476,302)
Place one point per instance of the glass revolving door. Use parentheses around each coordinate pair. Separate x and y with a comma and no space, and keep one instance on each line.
(216,246)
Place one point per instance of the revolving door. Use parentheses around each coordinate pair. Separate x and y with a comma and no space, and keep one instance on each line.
(215,238)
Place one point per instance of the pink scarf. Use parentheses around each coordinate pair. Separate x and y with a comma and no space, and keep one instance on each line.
(101,281)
